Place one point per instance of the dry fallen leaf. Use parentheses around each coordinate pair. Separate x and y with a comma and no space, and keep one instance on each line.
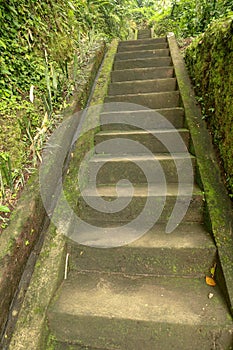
(210,281)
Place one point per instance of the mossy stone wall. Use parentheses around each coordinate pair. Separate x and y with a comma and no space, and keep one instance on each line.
(210,63)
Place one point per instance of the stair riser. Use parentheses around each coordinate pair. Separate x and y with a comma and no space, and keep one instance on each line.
(143,63)
(142,47)
(143,42)
(146,120)
(157,143)
(150,100)
(135,334)
(136,87)
(142,74)
(112,172)
(131,212)
(144,260)
(143,36)
(142,54)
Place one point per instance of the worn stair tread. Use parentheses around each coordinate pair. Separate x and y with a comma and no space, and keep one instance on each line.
(142,54)
(135,141)
(187,251)
(145,119)
(135,312)
(112,168)
(142,73)
(152,100)
(143,41)
(141,190)
(125,202)
(143,47)
(143,86)
(152,299)
(186,235)
(143,63)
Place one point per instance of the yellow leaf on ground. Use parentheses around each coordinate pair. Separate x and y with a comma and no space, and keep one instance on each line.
(210,281)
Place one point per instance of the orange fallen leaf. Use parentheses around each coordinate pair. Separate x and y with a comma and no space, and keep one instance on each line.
(210,281)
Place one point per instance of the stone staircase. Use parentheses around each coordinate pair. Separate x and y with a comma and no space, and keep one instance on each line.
(150,293)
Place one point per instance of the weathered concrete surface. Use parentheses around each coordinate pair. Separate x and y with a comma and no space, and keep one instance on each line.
(156,141)
(123,312)
(112,168)
(142,86)
(142,47)
(148,120)
(141,54)
(142,74)
(142,42)
(143,63)
(187,251)
(144,33)
(137,202)
(151,100)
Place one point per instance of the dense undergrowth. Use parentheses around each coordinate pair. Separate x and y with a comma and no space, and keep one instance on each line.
(44,48)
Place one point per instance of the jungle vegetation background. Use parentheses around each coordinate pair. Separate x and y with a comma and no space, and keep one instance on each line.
(44,47)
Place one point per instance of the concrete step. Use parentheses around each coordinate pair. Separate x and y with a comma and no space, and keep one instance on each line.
(142,47)
(142,54)
(156,141)
(143,36)
(121,312)
(146,119)
(143,41)
(133,201)
(142,74)
(143,63)
(144,33)
(154,100)
(142,86)
(188,251)
(135,167)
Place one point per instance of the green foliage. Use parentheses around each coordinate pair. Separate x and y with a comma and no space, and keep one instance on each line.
(209,59)
(44,45)
(189,18)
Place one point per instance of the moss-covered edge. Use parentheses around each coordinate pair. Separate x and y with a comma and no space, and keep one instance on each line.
(31,331)
(86,141)
(209,61)
(219,217)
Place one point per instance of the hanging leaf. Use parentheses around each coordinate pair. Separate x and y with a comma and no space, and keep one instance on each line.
(4,209)
(212,270)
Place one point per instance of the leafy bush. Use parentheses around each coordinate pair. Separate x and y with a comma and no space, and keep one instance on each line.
(189,18)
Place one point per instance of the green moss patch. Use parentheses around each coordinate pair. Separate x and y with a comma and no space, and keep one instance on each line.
(210,62)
